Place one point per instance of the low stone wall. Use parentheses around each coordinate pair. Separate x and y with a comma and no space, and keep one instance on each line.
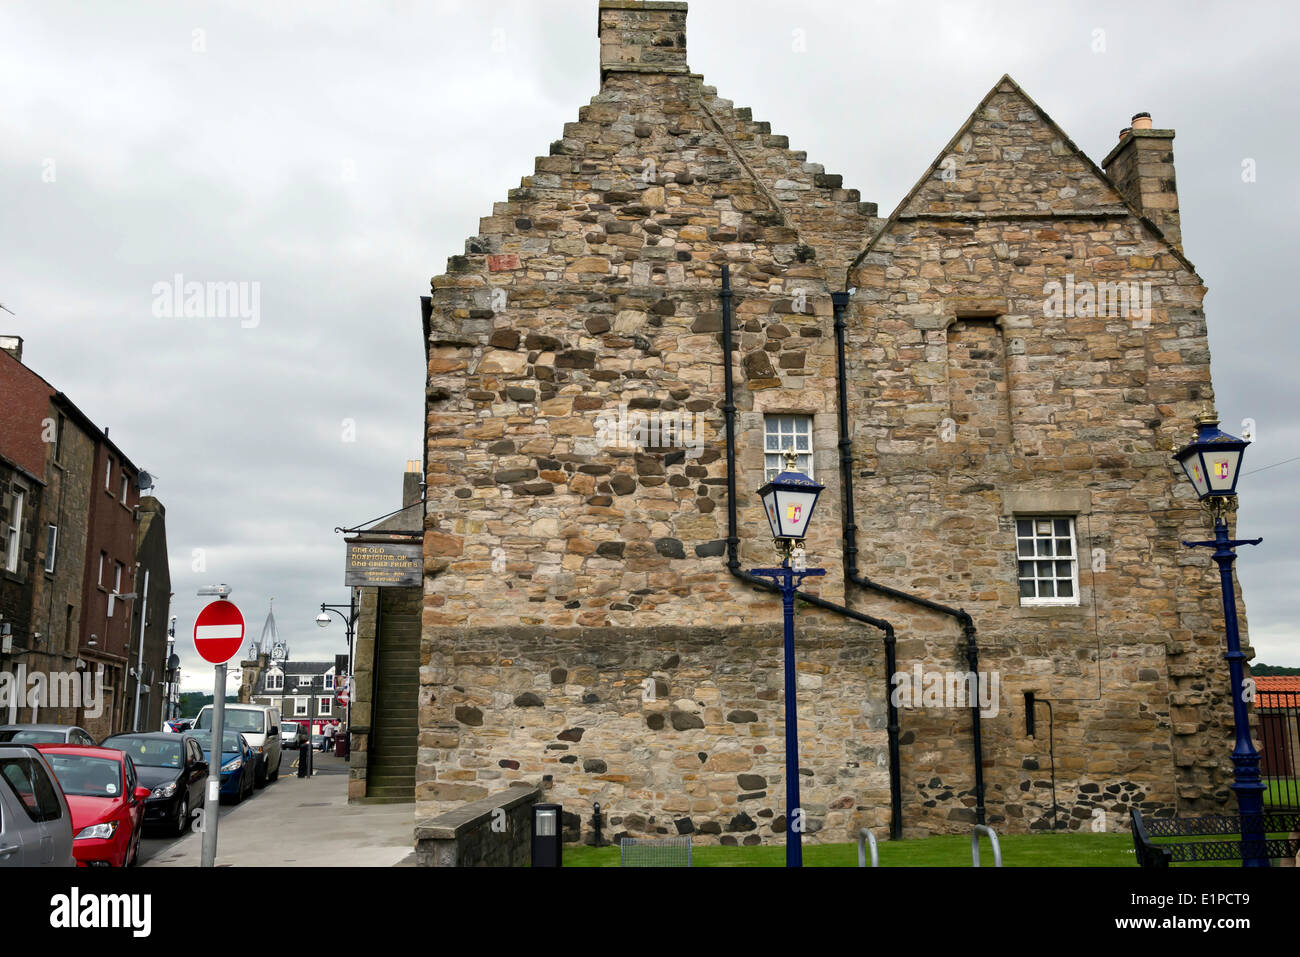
(466,837)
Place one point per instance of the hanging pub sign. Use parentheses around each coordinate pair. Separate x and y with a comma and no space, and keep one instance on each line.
(382,564)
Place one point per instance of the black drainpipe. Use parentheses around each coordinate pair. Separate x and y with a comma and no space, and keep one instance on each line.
(840,302)
(733,566)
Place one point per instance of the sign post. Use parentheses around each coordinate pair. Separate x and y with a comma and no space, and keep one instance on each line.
(218,635)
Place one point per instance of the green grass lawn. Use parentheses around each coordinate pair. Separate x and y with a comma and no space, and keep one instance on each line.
(949,850)
(1281,792)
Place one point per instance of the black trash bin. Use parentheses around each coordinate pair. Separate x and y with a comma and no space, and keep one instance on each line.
(304,759)
(548,837)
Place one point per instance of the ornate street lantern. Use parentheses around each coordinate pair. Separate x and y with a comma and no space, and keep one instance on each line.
(788,501)
(1212,461)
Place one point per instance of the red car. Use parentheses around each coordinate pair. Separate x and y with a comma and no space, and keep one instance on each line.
(106,800)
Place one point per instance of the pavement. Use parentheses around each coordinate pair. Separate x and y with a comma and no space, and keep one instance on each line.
(302,822)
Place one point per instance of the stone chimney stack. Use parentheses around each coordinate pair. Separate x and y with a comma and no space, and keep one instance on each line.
(638,36)
(1142,167)
(12,345)
(411,483)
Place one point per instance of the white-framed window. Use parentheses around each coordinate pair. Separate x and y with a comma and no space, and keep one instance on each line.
(781,432)
(1047,560)
(108,477)
(299,707)
(14,534)
(275,681)
(51,546)
(117,587)
(324,708)
(126,485)
(103,560)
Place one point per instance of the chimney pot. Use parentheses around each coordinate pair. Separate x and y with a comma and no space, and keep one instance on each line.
(1125,132)
(1141,121)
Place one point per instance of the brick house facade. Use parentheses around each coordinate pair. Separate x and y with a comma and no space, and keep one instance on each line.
(77,544)
(587,624)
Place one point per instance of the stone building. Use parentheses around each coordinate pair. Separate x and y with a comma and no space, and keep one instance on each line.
(303,691)
(385,682)
(148,654)
(989,383)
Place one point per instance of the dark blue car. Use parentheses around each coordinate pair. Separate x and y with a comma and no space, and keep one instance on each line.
(238,763)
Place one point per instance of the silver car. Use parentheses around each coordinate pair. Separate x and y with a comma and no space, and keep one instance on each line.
(44,734)
(35,823)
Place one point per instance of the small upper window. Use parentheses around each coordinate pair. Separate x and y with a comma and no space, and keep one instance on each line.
(1047,560)
(108,476)
(125,487)
(117,587)
(781,432)
(51,546)
(14,532)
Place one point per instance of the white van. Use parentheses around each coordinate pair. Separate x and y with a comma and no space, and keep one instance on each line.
(260,725)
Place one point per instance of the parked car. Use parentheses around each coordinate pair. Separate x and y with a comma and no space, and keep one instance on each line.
(178,724)
(106,800)
(291,736)
(317,742)
(172,767)
(35,821)
(44,734)
(238,762)
(260,725)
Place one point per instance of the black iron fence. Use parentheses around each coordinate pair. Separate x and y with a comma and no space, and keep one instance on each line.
(1277,718)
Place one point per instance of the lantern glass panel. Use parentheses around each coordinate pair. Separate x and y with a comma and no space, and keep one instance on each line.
(769,509)
(1196,473)
(794,510)
(1221,468)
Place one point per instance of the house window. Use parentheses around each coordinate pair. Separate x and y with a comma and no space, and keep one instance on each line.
(1047,560)
(117,587)
(274,681)
(299,707)
(125,486)
(781,432)
(51,546)
(58,440)
(14,534)
(324,709)
(108,477)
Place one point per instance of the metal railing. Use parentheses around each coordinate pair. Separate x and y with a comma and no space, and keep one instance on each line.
(865,837)
(988,832)
(1277,714)
(666,852)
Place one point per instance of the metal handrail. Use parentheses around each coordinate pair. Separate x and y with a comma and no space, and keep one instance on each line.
(866,837)
(975,833)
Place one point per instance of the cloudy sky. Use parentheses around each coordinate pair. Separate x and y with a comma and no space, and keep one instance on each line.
(329,156)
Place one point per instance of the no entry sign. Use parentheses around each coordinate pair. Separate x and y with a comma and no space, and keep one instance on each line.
(219,632)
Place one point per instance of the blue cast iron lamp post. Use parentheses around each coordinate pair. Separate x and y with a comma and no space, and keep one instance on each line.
(1212,461)
(788,502)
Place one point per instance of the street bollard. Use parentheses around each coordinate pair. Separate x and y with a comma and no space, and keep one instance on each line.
(304,759)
